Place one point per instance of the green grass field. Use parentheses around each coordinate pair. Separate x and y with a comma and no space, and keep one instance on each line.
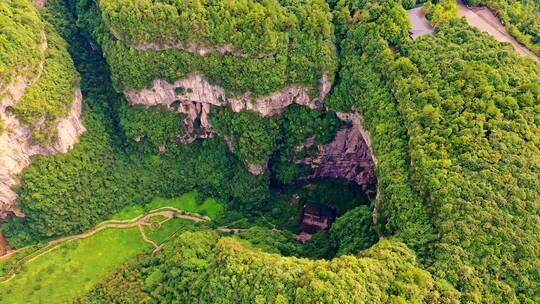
(128,213)
(188,202)
(72,268)
(168,229)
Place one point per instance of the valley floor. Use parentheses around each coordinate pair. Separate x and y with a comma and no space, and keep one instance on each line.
(65,268)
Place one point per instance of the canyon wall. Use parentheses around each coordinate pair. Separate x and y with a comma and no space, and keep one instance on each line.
(195,96)
(16,148)
(349,156)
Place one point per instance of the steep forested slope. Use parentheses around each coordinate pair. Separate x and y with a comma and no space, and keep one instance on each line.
(31,50)
(203,268)
(50,98)
(21,34)
(259,46)
(470,107)
(40,100)
(473,126)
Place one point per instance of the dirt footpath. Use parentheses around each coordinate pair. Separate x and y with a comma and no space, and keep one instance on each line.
(485,20)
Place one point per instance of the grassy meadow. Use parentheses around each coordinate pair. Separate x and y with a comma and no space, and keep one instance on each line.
(70,269)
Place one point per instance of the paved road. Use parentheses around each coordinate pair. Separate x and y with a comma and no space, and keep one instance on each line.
(420,24)
(485,20)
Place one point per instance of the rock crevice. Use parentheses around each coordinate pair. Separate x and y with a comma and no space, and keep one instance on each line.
(349,156)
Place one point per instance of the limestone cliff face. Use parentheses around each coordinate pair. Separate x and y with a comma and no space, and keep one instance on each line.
(195,96)
(16,147)
(348,156)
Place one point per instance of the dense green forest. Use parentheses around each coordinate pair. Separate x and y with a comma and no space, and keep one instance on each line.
(21,34)
(298,37)
(469,105)
(201,267)
(473,127)
(521,19)
(254,138)
(453,120)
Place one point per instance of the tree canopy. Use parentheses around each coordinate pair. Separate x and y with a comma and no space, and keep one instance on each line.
(204,268)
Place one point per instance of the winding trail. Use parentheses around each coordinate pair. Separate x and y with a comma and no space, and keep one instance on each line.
(140,221)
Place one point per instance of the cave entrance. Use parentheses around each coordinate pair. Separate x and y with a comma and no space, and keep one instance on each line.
(310,206)
(317,217)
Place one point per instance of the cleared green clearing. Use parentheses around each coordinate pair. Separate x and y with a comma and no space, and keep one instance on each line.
(168,229)
(188,202)
(73,268)
(128,213)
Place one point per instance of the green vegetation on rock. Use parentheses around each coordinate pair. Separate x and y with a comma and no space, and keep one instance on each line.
(21,41)
(150,128)
(255,138)
(51,97)
(32,51)
(299,39)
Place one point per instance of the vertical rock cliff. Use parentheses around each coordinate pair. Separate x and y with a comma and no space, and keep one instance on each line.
(348,156)
(16,147)
(195,96)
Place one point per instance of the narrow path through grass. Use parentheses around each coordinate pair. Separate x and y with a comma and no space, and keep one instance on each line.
(75,263)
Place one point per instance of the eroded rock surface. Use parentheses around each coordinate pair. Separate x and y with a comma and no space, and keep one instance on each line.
(16,147)
(195,96)
(40,3)
(348,156)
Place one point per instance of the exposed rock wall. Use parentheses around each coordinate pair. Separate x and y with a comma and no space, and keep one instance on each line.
(348,156)
(40,3)
(357,121)
(195,96)
(16,147)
